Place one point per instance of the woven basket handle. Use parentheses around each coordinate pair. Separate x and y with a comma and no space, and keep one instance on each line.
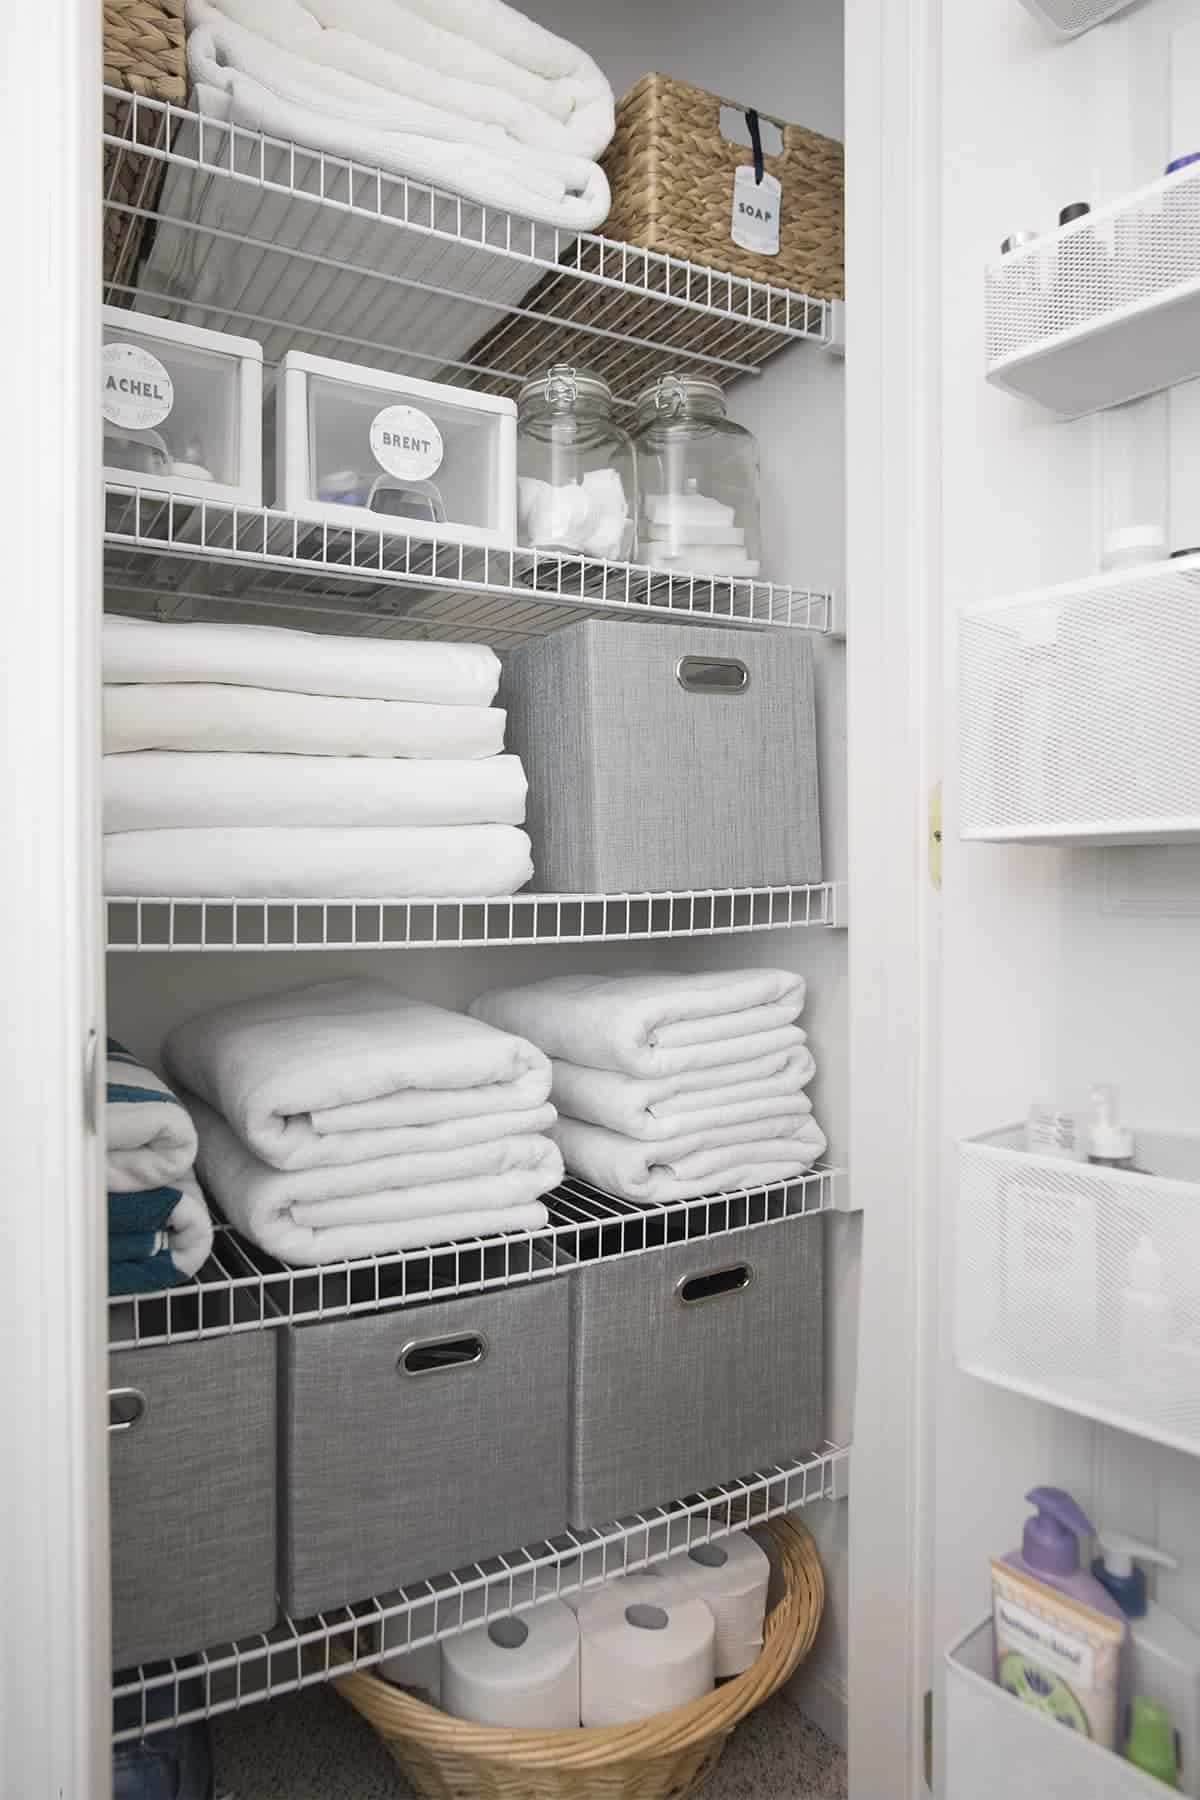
(789,133)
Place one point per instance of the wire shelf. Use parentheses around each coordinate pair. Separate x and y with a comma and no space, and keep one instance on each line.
(166,923)
(171,556)
(242,1288)
(301,1653)
(305,250)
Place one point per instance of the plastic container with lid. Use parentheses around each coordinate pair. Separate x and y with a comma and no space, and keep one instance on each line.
(699,479)
(576,474)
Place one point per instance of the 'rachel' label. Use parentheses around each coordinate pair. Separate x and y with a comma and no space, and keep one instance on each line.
(406,443)
(756,206)
(136,390)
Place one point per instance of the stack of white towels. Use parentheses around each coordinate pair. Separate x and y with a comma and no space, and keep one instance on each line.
(669,1086)
(346,1120)
(248,761)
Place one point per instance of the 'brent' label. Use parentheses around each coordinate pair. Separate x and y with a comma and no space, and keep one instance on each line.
(406,443)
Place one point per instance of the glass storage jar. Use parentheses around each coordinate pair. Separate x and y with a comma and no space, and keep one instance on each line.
(576,472)
(698,478)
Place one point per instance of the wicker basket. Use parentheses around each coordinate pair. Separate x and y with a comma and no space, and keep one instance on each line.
(144,52)
(671,171)
(663,1758)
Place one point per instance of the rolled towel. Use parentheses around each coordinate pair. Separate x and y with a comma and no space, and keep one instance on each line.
(281,1067)
(157,1237)
(666,1106)
(153,790)
(373,1208)
(658,1024)
(655,1174)
(150,1141)
(303,662)
(320,862)
(205,715)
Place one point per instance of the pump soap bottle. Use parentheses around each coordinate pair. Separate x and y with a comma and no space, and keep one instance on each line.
(1059,1632)
(1164,1654)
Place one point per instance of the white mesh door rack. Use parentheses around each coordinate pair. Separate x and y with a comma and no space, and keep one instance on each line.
(1070,17)
(1049,1255)
(1080,716)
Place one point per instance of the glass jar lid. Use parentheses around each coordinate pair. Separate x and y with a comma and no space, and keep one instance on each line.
(564,384)
(671,393)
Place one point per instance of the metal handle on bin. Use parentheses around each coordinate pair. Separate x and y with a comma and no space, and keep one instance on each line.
(437,1356)
(712,675)
(713,1284)
(137,1408)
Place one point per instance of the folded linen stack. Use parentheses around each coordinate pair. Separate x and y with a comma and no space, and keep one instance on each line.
(346,1120)
(245,760)
(671,1086)
(159,1231)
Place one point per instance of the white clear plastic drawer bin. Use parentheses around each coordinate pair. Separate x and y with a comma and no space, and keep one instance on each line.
(1080,721)
(182,408)
(357,447)
(997,1748)
(666,758)
(1080,1285)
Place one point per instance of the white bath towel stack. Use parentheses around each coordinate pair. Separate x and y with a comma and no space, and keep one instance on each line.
(247,761)
(346,1120)
(671,1086)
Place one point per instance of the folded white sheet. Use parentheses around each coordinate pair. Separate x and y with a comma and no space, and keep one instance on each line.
(208,716)
(656,1110)
(320,862)
(325,1215)
(302,662)
(150,790)
(276,1065)
(657,1024)
(684,1168)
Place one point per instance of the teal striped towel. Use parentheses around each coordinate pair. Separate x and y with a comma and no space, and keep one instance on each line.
(159,1229)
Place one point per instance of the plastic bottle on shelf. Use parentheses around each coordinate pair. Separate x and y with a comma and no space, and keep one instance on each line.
(1150,1745)
(1145,1307)
(1109,1143)
(1022,301)
(1163,1658)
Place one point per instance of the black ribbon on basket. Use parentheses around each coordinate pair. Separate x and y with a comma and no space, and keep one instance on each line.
(753,128)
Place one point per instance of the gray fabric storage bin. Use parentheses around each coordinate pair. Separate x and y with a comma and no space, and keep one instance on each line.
(671,1394)
(638,781)
(192,1485)
(388,1476)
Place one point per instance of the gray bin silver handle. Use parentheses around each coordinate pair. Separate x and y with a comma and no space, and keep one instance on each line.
(137,1408)
(713,1284)
(442,1355)
(726,675)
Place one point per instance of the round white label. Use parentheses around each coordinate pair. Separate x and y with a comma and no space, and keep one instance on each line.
(137,391)
(406,442)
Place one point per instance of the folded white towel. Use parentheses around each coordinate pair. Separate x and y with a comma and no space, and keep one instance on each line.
(302,662)
(320,862)
(654,1110)
(681,1168)
(650,1024)
(200,715)
(326,1215)
(190,1228)
(151,790)
(275,1065)
(439,1106)
(149,1140)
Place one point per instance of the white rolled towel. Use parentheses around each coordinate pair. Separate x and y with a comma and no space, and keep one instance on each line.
(157,790)
(657,1024)
(667,1106)
(685,1168)
(209,715)
(319,862)
(303,662)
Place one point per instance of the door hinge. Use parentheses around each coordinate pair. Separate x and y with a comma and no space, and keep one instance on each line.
(935,836)
(929,1739)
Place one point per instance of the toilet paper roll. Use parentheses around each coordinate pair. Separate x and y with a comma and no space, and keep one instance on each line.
(644,1647)
(522,1670)
(418,1669)
(732,1578)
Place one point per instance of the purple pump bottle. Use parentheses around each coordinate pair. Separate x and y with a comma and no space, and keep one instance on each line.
(1049,1550)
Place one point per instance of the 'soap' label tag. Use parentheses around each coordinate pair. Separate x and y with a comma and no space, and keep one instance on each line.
(756,206)
(136,390)
(406,442)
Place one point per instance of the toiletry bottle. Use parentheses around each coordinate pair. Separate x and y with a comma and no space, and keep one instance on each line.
(1059,1632)
(1145,1306)
(1164,1654)
(1150,1745)
(1081,284)
(1109,1143)
(1023,300)
(1053,1131)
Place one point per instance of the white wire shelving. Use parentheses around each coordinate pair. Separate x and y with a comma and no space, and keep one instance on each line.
(241,1288)
(171,556)
(172,923)
(305,250)
(301,1653)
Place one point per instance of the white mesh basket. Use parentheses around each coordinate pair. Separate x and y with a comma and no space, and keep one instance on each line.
(1080,711)
(997,1748)
(1070,17)
(1104,309)
(1044,1263)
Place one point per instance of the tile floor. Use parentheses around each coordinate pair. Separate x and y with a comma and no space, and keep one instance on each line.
(312,1746)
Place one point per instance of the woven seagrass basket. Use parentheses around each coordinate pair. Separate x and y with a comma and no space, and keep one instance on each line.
(666,1757)
(145,53)
(671,171)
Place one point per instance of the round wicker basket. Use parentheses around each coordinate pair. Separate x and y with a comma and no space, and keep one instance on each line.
(665,1757)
